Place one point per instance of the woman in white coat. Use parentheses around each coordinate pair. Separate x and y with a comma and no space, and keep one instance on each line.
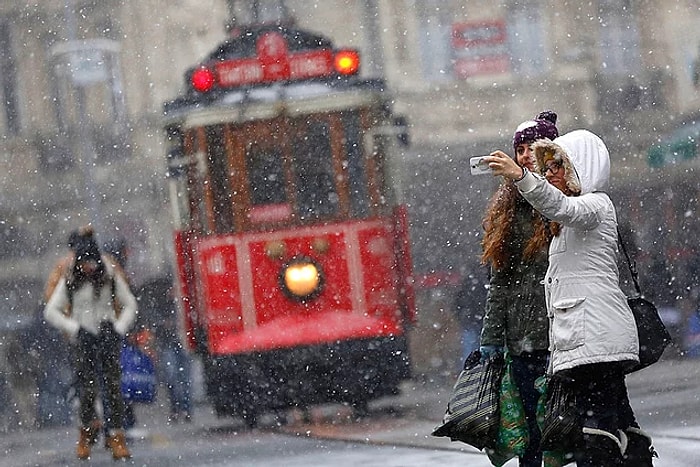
(94,307)
(593,337)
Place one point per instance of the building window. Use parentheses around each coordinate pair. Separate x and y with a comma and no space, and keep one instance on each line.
(619,39)
(8,83)
(435,34)
(526,39)
(89,95)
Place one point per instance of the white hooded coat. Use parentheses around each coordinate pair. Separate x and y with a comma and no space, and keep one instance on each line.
(590,321)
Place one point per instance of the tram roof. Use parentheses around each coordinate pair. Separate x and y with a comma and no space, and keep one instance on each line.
(266,70)
(289,99)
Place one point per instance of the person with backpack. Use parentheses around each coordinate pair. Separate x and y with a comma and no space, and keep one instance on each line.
(93,305)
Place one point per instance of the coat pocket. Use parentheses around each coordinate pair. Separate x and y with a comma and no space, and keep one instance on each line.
(568,324)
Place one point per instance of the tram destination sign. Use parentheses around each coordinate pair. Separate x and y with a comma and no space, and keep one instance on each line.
(274,62)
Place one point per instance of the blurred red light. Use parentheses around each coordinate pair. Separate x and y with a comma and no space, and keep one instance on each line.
(347,62)
(202,79)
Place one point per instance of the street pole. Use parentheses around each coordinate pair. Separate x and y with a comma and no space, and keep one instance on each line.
(85,148)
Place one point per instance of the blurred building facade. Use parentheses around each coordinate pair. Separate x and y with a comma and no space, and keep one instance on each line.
(83,85)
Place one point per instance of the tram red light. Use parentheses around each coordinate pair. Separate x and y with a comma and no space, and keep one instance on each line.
(202,79)
(347,62)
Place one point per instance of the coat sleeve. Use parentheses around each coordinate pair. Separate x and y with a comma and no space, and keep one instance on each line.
(583,212)
(57,274)
(126,299)
(54,312)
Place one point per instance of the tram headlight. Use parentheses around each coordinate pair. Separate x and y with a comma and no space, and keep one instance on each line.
(301,278)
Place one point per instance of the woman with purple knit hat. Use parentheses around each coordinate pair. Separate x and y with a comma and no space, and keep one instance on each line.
(594,340)
(515,243)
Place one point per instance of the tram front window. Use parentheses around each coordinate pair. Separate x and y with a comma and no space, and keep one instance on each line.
(266,175)
(357,181)
(316,191)
(219,181)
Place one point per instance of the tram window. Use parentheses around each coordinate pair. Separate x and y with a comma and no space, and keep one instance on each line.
(266,175)
(219,179)
(383,174)
(316,193)
(178,167)
(357,180)
(196,181)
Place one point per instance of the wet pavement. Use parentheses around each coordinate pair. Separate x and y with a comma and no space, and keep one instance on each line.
(664,396)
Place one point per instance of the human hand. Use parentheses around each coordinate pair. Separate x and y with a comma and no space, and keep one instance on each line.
(490,351)
(109,334)
(502,164)
(78,337)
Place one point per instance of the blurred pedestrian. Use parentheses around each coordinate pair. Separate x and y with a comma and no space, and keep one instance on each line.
(594,336)
(157,299)
(115,252)
(50,362)
(93,306)
(691,330)
(469,305)
(515,245)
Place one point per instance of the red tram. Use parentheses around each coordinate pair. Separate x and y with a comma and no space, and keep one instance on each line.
(292,251)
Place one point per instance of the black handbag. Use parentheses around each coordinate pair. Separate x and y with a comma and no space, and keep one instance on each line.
(472,414)
(560,428)
(653,335)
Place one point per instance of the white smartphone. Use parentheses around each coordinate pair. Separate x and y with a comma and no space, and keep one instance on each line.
(479,166)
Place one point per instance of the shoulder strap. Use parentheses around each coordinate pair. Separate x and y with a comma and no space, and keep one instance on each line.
(69,291)
(632,264)
(116,305)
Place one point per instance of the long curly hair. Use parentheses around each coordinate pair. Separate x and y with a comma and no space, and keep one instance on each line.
(498,226)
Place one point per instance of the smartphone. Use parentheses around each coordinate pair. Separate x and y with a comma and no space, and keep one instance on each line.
(479,166)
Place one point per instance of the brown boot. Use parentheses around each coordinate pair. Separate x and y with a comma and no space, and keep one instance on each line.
(95,428)
(117,443)
(83,448)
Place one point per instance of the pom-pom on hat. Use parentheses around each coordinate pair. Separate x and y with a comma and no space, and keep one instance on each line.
(543,126)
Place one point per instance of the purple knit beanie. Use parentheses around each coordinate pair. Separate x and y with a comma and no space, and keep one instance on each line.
(543,126)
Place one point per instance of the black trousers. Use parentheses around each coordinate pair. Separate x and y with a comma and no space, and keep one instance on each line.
(603,404)
(98,366)
(601,396)
(526,368)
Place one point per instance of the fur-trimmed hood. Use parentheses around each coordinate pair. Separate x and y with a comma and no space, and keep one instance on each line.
(583,156)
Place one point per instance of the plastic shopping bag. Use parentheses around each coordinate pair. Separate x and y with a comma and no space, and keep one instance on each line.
(138,381)
(513,434)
